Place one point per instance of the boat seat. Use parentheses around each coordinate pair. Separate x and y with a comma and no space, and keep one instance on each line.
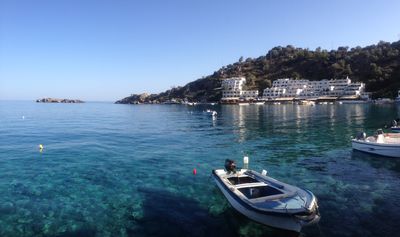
(249,185)
(243,179)
(259,191)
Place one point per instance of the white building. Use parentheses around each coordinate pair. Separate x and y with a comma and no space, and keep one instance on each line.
(230,94)
(248,95)
(232,89)
(284,88)
(233,83)
(274,92)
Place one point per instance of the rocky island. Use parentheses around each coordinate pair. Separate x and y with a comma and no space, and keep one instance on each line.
(54,100)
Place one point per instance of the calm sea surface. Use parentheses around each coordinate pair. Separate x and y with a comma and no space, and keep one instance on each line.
(126,170)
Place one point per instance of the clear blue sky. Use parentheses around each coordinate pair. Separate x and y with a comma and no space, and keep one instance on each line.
(107,50)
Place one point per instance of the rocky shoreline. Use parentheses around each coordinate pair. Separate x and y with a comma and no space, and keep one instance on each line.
(54,100)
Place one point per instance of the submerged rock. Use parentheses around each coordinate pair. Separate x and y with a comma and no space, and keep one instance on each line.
(7,208)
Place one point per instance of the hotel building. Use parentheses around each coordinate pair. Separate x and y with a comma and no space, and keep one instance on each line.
(306,89)
(232,90)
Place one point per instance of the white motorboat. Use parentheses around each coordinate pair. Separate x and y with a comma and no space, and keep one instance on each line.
(266,200)
(395,125)
(384,144)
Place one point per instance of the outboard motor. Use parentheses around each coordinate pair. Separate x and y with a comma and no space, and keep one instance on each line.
(230,166)
(361,136)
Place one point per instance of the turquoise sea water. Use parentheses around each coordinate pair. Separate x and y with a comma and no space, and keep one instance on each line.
(126,170)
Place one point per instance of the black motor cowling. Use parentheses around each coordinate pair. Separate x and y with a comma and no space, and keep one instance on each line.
(230,166)
(361,136)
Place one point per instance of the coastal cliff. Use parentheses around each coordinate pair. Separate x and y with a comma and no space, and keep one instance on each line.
(378,66)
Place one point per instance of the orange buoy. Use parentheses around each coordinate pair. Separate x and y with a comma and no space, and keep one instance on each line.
(194,171)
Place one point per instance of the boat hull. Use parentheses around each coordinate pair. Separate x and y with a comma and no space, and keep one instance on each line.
(286,222)
(395,129)
(387,150)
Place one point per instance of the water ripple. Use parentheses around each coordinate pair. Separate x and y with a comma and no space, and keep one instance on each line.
(124,170)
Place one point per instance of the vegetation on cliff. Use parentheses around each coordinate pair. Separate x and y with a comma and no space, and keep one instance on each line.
(378,66)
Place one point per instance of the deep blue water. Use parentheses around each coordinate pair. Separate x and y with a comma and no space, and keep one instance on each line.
(126,170)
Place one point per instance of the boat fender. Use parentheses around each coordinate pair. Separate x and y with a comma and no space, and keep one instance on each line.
(264,172)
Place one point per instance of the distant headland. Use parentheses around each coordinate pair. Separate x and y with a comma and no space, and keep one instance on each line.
(54,100)
(377,67)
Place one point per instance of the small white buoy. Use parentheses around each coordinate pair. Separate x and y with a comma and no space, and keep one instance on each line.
(41,147)
(246,162)
(264,172)
(23,117)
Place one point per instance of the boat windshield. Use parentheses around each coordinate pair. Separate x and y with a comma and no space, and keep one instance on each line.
(242,180)
(260,191)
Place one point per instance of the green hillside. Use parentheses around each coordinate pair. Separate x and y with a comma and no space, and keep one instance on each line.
(378,66)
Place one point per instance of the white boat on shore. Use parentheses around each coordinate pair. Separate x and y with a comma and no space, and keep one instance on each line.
(384,144)
(266,200)
(383,101)
(306,102)
(353,102)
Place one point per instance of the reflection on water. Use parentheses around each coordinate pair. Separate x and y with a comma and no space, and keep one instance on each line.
(124,170)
